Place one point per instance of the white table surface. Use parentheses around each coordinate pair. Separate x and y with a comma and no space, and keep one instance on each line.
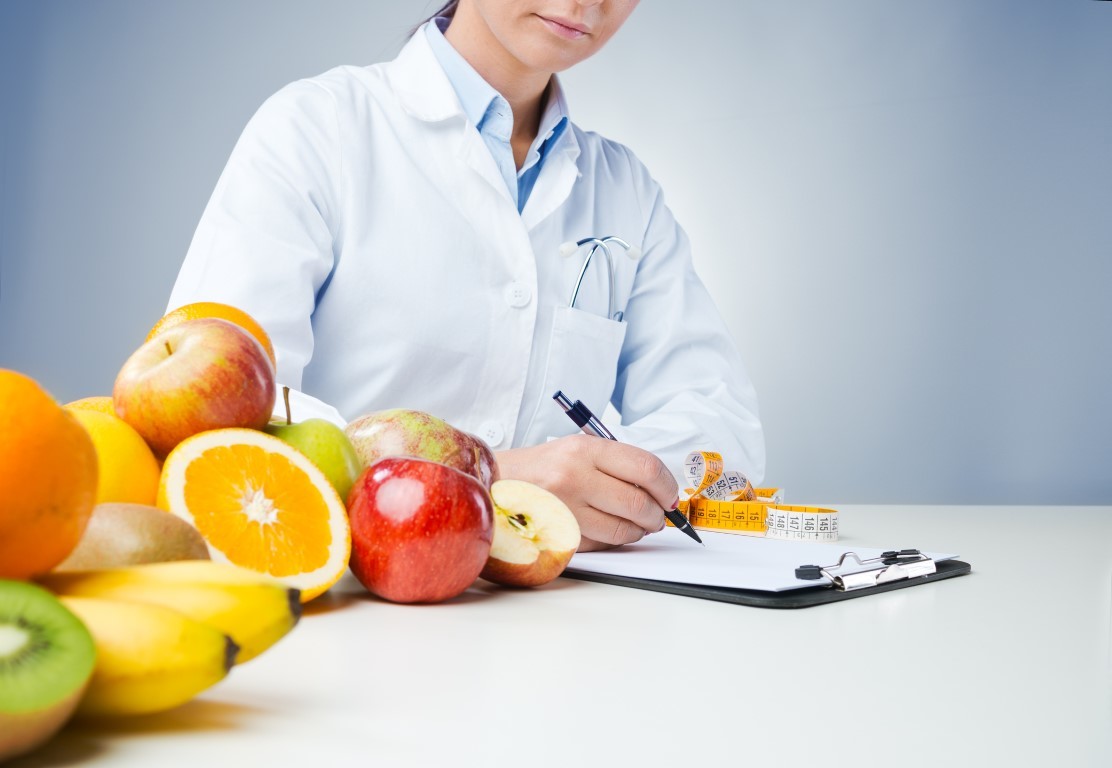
(1009,666)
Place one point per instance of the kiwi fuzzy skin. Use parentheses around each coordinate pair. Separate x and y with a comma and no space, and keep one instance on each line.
(24,731)
(24,726)
(120,534)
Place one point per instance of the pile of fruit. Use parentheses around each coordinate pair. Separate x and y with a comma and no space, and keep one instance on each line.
(153,539)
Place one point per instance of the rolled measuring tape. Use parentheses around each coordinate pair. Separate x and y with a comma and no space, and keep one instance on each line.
(724,500)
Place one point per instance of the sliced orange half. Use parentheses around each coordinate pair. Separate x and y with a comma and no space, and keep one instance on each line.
(261,504)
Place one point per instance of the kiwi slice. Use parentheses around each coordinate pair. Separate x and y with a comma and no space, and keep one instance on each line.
(46,659)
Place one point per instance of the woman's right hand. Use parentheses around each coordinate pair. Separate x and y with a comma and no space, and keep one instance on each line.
(616,491)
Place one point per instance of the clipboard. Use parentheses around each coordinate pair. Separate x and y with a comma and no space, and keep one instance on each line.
(764,573)
(796,598)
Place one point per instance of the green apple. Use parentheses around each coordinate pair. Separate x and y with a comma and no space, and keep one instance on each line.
(324,443)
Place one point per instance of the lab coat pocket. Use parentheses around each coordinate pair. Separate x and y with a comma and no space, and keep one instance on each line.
(583,352)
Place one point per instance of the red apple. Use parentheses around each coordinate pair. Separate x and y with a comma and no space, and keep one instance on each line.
(195,376)
(420,531)
(403,432)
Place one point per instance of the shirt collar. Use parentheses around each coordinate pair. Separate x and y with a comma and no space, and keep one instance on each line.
(476,95)
(554,118)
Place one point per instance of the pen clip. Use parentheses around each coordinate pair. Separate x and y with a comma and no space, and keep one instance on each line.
(593,421)
(562,400)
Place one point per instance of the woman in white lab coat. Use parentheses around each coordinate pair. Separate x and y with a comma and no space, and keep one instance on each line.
(397,230)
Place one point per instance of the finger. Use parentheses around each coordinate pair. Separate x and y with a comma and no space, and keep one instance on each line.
(604,528)
(590,545)
(620,499)
(638,467)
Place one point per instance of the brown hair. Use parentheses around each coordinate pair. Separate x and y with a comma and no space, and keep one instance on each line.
(448,9)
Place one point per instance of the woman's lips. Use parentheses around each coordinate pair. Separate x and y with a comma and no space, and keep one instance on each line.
(565,29)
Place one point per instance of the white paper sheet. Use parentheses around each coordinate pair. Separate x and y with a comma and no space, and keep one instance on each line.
(728,560)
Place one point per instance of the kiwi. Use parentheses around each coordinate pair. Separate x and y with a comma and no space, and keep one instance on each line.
(119,535)
(46,659)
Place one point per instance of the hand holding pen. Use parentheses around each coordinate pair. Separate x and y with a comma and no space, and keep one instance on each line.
(592,425)
(618,492)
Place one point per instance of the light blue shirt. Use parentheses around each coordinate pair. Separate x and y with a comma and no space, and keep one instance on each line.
(489,111)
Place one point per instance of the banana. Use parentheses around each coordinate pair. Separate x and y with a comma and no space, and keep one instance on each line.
(254,610)
(149,657)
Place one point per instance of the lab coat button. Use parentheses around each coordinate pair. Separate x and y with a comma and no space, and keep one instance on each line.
(518,294)
(491,432)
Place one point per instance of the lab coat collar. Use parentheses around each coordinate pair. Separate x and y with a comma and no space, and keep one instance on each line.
(558,175)
(420,83)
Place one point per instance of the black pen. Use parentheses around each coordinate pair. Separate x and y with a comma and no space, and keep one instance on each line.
(589,423)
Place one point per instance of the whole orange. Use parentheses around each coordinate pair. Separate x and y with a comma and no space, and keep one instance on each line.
(201,309)
(102,403)
(48,478)
(127,471)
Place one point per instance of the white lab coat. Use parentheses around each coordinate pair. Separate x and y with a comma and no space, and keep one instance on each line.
(363,222)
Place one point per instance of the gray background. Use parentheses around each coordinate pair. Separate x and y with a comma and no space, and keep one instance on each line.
(901,208)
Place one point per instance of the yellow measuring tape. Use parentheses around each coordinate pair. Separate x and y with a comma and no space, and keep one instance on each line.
(724,500)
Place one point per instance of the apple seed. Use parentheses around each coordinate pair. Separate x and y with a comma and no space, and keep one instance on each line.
(520,522)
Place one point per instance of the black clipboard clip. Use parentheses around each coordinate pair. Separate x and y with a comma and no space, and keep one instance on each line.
(894,565)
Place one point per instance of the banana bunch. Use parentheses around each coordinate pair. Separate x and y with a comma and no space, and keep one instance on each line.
(164,632)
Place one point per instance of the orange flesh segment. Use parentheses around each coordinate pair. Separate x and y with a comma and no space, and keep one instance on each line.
(258,509)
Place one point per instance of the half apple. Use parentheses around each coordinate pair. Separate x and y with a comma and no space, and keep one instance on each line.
(535,535)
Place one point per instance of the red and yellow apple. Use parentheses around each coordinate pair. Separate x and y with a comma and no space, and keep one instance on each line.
(198,375)
(403,432)
(535,535)
(420,531)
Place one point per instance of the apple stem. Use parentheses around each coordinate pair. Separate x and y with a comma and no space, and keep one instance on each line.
(286,398)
